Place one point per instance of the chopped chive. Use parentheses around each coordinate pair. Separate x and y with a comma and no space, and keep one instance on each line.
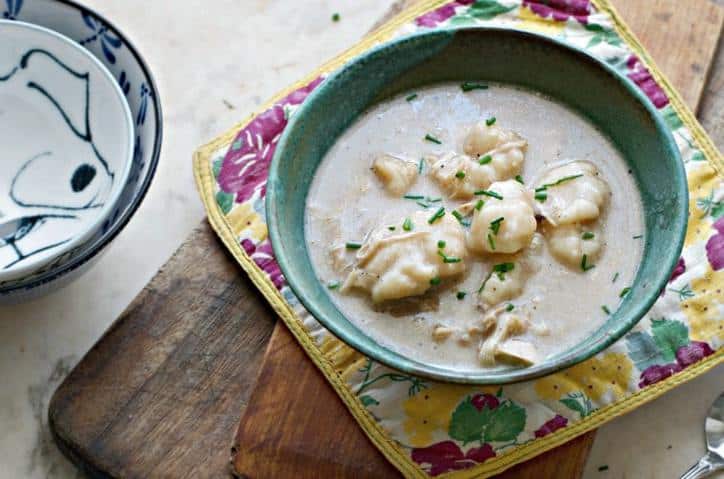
(602,468)
(479,204)
(391,228)
(435,281)
(460,175)
(492,194)
(438,214)
(638,236)
(624,292)
(451,259)
(519,179)
(584,263)
(460,295)
(407,225)
(559,181)
(615,277)
(424,205)
(458,216)
(441,244)
(495,225)
(434,200)
(490,121)
(501,268)
(431,138)
(351,245)
(411,97)
(420,166)
(414,197)
(334,285)
(469,86)
(484,160)
(588,235)
(491,242)
(606,310)
(541,196)
(509,307)
(336,17)
(485,281)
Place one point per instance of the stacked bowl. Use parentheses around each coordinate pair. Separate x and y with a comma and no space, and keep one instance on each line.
(81,129)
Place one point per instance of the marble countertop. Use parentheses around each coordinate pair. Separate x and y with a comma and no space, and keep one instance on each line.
(215,61)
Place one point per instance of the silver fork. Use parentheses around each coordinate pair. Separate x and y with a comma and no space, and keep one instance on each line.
(714,429)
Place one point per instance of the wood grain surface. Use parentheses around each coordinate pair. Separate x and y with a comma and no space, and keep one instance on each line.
(161,393)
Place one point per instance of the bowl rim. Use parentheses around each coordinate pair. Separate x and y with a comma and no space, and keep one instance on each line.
(88,254)
(28,267)
(406,364)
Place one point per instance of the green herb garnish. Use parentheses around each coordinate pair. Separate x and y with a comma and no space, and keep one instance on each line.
(336,17)
(606,310)
(490,121)
(451,259)
(509,307)
(460,295)
(492,194)
(501,268)
(624,291)
(424,205)
(491,242)
(435,281)
(438,214)
(469,86)
(541,196)
(615,277)
(519,179)
(458,216)
(420,166)
(558,182)
(407,225)
(584,263)
(351,245)
(411,97)
(460,175)
(334,285)
(431,138)
(414,197)
(441,244)
(587,235)
(484,160)
(391,228)
(602,468)
(638,236)
(495,225)
(479,204)
(485,281)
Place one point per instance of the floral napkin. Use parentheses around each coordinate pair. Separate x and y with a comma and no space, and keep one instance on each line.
(428,428)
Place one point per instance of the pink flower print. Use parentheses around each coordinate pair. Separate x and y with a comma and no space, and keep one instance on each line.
(641,76)
(263,256)
(482,400)
(715,246)
(560,10)
(440,14)
(245,168)
(656,373)
(447,456)
(693,352)
(679,269)
(554,424)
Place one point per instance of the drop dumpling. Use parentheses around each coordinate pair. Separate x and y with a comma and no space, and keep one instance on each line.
(396,174)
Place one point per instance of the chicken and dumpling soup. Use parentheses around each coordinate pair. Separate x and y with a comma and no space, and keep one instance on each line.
(474,229)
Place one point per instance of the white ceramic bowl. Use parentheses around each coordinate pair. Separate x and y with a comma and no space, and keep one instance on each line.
(68,140)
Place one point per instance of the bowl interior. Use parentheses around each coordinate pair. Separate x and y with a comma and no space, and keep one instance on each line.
(67,133)
(538,63)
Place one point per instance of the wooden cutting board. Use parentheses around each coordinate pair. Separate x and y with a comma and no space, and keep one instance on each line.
(162,392)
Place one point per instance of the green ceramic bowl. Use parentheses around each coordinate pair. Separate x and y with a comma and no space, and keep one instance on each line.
(570,76)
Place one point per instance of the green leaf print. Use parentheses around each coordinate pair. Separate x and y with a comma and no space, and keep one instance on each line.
(709,206)
(505,423)
(642,350)
(463,19)
(684,293)
(467,423)
(487,9)
(578,402)
(216,166)
(368,400)
(225,201)
(602,34)
(717,211)
(669,336)
(671,117)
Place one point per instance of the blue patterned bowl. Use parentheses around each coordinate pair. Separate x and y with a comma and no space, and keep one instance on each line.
(119,56)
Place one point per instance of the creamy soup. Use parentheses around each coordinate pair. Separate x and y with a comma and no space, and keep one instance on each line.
(474,229)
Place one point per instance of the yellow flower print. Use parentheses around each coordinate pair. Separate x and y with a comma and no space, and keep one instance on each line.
(705,309)
(610,372)
(531,21)
(430,410)
(702,180)
(244,219)
(345,360)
